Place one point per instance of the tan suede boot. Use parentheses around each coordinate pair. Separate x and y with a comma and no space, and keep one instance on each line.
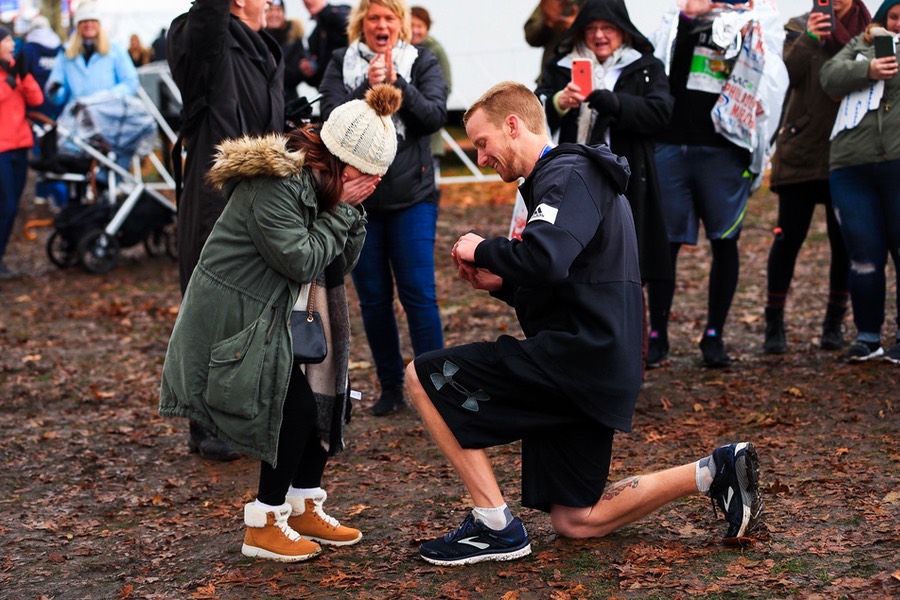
(309,520)
(269,535)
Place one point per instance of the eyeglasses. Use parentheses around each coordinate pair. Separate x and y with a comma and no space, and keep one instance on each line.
(607,30)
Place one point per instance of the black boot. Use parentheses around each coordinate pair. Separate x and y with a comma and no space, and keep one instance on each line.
(776,341)
(204,442)
(833,327)
(657,348)
(391,399)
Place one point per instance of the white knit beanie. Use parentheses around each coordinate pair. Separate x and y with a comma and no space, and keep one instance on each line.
(361,133)
(87,11)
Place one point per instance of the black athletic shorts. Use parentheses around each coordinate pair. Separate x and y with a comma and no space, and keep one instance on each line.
(492,393)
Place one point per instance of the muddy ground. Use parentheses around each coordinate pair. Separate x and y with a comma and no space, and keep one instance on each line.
(99,497)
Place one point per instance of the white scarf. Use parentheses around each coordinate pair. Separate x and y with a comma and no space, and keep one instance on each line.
(599,70)
(356,69)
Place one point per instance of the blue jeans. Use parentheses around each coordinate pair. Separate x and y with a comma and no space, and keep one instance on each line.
(13,171)
(399,247)
(866,200)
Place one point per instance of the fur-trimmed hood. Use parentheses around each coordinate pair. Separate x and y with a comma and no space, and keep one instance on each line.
(264,156)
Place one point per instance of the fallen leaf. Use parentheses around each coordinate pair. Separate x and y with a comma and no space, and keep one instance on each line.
(892,498)
(357,509)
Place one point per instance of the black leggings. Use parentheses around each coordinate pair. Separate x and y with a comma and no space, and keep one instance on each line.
(723,278)
(796,204)
(301,457)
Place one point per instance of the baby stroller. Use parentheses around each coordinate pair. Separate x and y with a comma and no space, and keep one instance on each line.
(90,148)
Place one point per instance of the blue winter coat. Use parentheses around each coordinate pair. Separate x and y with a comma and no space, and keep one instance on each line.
(112,71)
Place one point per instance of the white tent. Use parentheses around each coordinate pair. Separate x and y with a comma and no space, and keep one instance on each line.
(484,39)
(483,48)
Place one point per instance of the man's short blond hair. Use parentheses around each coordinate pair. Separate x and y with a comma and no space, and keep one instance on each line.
(506,98)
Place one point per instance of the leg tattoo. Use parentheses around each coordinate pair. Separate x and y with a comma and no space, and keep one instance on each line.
(617,488)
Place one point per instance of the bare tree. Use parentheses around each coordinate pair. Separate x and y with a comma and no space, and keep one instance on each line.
(52,9)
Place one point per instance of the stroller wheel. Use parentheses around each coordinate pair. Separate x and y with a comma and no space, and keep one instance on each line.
(155,242)
(99,251)
(161,242)
(60,251)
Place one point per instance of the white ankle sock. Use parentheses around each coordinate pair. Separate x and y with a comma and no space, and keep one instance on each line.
(705,473)
(306,492)
(267,507)
(494,518)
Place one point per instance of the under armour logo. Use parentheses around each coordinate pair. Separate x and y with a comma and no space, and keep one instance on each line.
(439,380)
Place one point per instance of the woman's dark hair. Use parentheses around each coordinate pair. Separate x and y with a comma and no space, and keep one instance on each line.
(306,139)
(421,14)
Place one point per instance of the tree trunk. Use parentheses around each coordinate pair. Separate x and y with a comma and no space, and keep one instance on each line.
(52,9)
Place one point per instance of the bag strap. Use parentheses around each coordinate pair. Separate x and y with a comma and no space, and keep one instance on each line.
(311,302)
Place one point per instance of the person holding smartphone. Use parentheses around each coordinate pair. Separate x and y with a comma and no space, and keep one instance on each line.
(800,168)
(626,103)
(865,171)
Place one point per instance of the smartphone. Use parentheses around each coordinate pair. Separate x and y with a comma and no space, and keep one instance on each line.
(582,76)
(826,8)
(884,46)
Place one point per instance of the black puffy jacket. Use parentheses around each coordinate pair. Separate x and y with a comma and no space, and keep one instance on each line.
(410,179)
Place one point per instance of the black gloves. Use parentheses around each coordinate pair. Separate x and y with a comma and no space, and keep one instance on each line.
(604,102)
(21,65)
(11,75)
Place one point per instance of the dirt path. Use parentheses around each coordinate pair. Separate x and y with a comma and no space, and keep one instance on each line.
(100,499)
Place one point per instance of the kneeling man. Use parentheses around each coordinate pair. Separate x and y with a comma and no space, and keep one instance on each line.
(574,283)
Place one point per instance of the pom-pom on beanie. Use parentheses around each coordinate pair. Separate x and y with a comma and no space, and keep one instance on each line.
(361,133)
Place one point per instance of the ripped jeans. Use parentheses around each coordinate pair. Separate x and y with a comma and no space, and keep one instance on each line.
(866,201)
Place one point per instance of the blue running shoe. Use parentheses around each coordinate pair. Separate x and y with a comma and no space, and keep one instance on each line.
(735,488)
(474,542)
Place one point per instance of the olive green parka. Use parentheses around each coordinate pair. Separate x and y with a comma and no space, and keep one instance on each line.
(877,137)
(229,358)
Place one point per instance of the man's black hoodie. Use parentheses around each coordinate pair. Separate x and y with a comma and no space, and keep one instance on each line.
(574,280)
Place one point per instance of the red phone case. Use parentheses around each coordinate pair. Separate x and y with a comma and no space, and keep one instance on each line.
(581,75)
